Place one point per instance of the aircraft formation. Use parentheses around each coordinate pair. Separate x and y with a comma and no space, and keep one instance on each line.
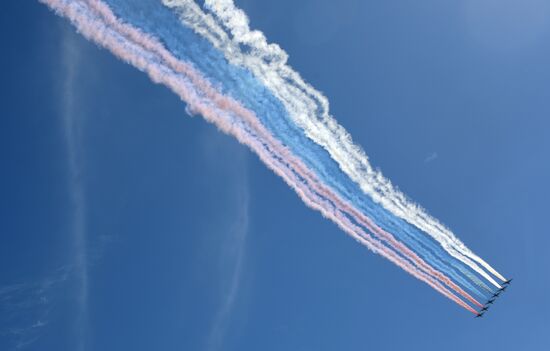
(493,298)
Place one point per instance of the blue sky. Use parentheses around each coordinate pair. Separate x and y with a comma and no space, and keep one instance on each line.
(127,225)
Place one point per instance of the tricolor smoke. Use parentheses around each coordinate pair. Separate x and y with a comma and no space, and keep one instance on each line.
(237,81)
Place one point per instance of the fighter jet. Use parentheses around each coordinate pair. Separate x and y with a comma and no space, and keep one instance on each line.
(507,282)
(479,315)
(490,302)
(497,294)
(485,308)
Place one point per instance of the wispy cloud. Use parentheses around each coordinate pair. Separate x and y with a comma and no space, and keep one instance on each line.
(25,308)
(238,233)
(431,157)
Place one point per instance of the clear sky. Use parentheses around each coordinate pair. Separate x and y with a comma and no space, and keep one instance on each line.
(127,225)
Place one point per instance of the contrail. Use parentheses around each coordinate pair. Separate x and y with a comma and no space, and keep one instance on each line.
(309,109)
(96,21)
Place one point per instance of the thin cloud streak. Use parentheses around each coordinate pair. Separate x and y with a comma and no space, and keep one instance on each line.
(238,234)
(72,130)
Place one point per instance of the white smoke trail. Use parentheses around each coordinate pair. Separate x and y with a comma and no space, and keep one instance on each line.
(309,109)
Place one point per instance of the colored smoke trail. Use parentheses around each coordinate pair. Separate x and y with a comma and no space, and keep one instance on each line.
(309,109)
(237,22)
(263,67)
(96,21)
